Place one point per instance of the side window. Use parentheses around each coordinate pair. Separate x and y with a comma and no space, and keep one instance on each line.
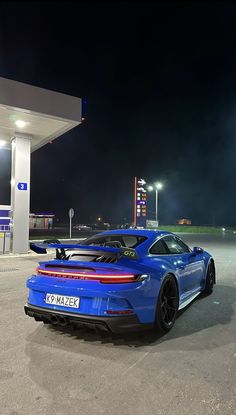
(175,245)
(159,248)
(183,245)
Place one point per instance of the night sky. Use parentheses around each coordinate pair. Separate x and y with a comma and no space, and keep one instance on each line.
(160,85)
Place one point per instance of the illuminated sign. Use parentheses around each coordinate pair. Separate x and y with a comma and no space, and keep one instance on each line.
(22,186)
(140,201)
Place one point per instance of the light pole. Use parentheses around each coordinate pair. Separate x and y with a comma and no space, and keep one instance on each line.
(156,187)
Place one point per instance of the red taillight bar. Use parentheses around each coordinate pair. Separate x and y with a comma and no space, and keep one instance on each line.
(111,279)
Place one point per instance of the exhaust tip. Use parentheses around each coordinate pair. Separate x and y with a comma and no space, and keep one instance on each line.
(62,321)
(54,319)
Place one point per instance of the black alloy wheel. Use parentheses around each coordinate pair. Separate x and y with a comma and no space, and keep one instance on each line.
(168,303)
(210,279)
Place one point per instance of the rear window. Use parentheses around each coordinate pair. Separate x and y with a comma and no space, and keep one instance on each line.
(128,241)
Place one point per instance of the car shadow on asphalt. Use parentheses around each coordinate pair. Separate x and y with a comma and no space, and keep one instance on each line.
(199,318)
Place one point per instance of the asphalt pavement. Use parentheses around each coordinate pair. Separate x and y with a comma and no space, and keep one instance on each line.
(191,370)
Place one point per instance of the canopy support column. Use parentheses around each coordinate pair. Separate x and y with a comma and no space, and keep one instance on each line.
(20,192)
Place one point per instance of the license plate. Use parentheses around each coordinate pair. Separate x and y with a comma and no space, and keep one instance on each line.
(62,300)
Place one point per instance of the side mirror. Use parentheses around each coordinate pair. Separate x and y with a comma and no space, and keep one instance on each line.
(197,250)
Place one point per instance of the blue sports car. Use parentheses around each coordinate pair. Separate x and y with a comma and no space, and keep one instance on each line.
(119,280)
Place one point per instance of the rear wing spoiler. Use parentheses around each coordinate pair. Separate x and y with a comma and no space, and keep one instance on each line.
(41,248)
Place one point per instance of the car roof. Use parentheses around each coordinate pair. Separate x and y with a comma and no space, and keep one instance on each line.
(149,233)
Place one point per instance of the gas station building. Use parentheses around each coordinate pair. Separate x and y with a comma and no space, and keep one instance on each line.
(30,117)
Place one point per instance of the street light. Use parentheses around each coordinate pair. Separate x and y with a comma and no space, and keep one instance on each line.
(157,186)
(20,123)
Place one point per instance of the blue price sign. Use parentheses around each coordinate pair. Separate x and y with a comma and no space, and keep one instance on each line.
(22,186)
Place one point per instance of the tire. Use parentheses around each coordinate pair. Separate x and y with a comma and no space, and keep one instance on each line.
(167,305)
(210,279)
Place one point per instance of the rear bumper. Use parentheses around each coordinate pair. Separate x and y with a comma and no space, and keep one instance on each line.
(114,324)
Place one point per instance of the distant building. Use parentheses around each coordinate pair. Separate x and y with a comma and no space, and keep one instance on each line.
(184,222)
(36,220)
(41,220)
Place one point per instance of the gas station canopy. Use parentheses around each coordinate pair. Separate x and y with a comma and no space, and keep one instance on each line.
(40,113)
(30,117)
